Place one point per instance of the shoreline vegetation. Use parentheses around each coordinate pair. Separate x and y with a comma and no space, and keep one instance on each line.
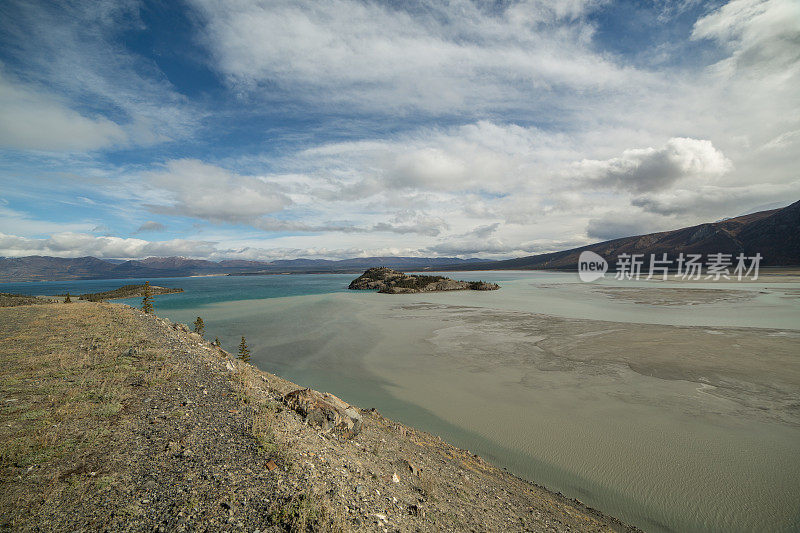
(128,291)
(389,281)
(116,419)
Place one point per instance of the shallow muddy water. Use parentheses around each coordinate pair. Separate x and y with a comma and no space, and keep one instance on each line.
(672,416)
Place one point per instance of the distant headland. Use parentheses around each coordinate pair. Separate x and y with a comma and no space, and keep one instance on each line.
(127,291)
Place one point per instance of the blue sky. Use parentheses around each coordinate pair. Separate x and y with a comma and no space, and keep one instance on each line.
(343,128)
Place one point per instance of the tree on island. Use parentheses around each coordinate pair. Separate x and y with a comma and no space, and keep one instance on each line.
(199,326)
(244,351)
(147,301)
(67,300)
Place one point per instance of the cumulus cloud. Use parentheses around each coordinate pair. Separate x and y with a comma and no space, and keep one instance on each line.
(654,169)
(200,190)
(484,232)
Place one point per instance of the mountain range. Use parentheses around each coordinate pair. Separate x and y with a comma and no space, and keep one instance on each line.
(42,268)
(774,234)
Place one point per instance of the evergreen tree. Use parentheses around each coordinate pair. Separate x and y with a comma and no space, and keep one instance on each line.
(67,300)
(199,326)
(244,351)
(147,301)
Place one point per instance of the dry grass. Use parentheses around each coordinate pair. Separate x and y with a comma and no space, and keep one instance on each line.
(12,300)
(426,485)
(261,411)
(62,394)
(310,512)
(305,511)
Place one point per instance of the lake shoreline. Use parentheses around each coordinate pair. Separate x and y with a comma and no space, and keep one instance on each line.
(535,355)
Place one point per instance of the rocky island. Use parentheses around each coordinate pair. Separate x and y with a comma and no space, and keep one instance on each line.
(390,281)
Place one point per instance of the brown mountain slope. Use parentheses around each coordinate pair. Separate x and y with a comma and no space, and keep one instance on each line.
(774,234)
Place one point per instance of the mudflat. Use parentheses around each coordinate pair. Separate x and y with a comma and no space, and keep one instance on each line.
(675,412)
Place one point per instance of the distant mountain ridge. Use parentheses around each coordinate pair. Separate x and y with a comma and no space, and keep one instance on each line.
(774,234)
(44,268)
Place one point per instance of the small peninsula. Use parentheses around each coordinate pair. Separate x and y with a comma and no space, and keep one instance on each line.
(127,291)
(390,281)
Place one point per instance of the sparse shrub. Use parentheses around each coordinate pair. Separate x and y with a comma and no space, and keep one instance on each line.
(416,281)
(244,351)
(425,485)
(67,300)
(199,326)
(147,300)
(308,512)
(216,342)
(262,432)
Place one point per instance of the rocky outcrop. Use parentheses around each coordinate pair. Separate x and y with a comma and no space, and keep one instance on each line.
(390,281)
(325,411)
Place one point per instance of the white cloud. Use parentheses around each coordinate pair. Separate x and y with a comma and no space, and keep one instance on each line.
(511,130)
(76,48)
(481,156)
(751,93)
(715,201)
(201,190)
(440,57)
(31,119)
(758,33)
(654,169)
(69,244)
(20,222)
(151,225)
(410,221)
